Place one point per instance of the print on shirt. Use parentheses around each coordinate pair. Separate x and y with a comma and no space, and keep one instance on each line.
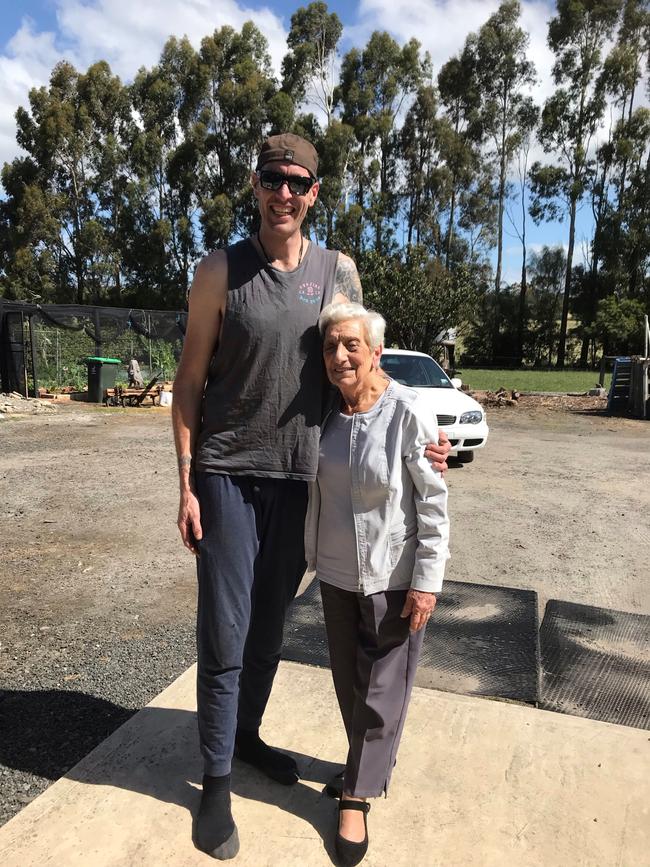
(309,293)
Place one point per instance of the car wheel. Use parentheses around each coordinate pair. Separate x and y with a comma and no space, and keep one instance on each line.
(465,457)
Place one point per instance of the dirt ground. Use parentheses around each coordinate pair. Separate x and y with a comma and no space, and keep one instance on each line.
(557,502)
(97,594)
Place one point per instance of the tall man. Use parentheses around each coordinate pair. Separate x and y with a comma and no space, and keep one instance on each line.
(247,408)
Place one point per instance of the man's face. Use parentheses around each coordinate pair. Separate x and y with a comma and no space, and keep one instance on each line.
(281,210)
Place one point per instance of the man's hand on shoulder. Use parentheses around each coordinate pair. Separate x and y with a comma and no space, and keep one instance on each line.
(347,284)
(437,452)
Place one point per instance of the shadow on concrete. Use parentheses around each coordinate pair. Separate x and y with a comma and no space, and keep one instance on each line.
(483,640)
(46,732)
(154,753)
(596,663)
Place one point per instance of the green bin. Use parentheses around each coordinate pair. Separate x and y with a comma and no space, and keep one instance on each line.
(101,375)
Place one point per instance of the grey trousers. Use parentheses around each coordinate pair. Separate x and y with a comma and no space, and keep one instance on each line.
(373,658)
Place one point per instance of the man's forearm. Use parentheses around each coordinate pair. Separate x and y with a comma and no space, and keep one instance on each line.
(186,418)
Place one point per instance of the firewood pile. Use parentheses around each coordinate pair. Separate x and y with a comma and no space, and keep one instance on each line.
(577,402)
(497,399)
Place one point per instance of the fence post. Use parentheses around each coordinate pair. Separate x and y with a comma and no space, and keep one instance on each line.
(601,375)
(32,340)
(98,336)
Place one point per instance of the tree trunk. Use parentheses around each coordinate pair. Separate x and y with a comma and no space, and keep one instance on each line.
(329,239)
(521,321)
(502,193)
(523,287)
(561,348)
(450,230)
(411,221)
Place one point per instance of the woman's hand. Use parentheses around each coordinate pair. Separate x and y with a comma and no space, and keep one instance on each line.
(419,607)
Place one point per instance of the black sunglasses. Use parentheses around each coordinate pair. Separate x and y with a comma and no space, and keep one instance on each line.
(298,184)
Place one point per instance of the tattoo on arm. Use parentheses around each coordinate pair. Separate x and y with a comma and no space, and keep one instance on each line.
(346,280)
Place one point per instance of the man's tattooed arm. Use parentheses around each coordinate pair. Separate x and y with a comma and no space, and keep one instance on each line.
(347,285)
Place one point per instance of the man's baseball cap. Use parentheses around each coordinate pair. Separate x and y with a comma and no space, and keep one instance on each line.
(289,148)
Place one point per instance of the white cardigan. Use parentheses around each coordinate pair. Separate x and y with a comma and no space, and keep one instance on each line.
(399,502)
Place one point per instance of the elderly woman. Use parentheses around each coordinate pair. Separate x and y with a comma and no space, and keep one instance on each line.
(377,536)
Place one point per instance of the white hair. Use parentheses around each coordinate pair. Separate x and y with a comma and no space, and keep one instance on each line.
(374,323)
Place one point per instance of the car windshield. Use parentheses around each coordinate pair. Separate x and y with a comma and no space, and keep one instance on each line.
(418,371)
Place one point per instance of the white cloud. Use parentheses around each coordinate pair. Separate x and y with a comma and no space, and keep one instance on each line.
(442,26)
(130,35)
(534,20)
(126,34)
(26,63)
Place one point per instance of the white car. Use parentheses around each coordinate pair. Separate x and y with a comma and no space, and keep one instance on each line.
(458,414)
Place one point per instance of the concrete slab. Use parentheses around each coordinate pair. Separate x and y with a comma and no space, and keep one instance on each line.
(478,782)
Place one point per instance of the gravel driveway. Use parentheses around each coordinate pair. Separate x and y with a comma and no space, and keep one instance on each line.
(97,594)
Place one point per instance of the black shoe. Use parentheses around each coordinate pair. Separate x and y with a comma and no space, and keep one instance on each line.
(347,852)
(215,829)
(250,748)
(334,788)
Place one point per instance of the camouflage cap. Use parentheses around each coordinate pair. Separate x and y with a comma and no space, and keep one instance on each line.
(289,148)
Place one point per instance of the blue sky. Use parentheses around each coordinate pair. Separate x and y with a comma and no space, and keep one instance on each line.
(35,34)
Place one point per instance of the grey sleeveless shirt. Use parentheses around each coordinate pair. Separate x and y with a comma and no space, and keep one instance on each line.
(263,400)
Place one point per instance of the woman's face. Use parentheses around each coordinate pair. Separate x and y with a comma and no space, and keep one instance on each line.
(348,358)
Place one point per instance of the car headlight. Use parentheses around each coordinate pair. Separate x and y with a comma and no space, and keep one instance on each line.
(472,417)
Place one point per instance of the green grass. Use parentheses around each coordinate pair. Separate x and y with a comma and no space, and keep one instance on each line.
(561,381)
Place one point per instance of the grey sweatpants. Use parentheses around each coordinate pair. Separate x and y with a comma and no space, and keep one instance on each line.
(373,658)
(250,563)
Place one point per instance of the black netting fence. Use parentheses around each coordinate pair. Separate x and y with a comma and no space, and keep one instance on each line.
(46,345)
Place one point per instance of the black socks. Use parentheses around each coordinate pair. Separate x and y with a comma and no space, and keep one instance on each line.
(250,748)
(216,832)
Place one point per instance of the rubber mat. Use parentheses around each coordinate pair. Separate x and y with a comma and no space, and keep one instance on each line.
(482,640)
(596,663)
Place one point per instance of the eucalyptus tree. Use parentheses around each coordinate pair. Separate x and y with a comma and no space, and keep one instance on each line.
(374,86)
(334,147)
(624,67)
(238,102)
(308,69)
(529,119)
(426,176)
(164,241)
(621,196)
(460,141)
(59,208)
(628,137)
(504,73)
(31,248)
(111,132)
(477,210)
(570,119)
(624,239)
